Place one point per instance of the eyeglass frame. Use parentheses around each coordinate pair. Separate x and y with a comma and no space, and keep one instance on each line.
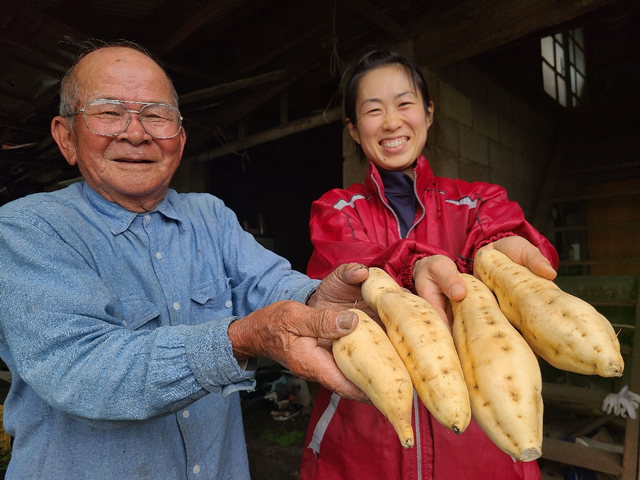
(123,103)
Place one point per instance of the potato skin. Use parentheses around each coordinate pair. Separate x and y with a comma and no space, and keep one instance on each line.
(501,372)
(426,347)
(564,330)
(367,358)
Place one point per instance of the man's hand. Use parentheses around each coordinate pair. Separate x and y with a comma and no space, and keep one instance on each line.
(296,336)
(341,289)
(522,252)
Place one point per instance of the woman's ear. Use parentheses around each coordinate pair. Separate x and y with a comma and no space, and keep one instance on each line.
(430,114)
(353,131)
(63,135)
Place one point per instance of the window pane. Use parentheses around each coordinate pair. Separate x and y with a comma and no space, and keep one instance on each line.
(573,79)
(546,46)
(559,38)
(579,90)
(577,35)
(549,80)
(559,59)
(580,60)
(572,55)
(562,94)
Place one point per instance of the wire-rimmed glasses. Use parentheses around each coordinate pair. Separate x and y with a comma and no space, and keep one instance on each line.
(110,118)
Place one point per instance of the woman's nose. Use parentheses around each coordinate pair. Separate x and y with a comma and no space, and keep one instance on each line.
(392,120)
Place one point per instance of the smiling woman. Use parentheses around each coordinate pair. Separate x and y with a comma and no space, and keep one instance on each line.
(391,121)
(422,230)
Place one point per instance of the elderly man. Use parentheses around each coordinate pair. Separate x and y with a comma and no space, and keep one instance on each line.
(128,311)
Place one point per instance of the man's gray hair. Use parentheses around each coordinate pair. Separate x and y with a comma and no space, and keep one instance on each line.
(69,86)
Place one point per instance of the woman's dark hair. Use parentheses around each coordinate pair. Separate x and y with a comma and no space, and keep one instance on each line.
(370,61)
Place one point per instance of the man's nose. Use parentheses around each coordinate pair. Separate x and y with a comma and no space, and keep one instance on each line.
(135,132)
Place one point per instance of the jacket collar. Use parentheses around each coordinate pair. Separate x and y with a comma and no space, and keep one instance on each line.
(424,177)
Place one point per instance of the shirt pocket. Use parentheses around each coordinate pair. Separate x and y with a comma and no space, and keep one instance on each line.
(136,314)
(209,303)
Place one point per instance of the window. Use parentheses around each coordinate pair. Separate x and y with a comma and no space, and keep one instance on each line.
(563,67)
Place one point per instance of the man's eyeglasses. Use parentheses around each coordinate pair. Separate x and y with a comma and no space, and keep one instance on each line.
(111,118)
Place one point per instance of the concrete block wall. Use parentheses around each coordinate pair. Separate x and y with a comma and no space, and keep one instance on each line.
(481,132)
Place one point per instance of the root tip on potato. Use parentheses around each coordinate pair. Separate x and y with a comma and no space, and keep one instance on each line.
(530,454)
(408,443)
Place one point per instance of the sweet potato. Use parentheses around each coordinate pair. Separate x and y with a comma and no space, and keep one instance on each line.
(501,371)
(426,347)
(564,330)
(367,358)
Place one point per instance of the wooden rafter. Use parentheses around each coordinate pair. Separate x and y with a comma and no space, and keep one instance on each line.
(382,20)
(229,87)
(198,20)
(480,25)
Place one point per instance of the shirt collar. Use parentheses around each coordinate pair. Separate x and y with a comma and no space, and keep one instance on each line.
(118,218)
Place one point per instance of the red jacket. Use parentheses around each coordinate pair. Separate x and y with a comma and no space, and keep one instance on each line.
(348,440)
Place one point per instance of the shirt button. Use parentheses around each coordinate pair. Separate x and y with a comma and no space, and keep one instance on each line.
(196,469)
(228,304)
(158,255)
(176,306)
(185,414)
(147,217)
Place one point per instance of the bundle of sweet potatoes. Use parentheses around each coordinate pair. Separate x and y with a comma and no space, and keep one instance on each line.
(487,366)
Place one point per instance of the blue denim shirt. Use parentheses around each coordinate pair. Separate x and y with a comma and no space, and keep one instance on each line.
(113,325)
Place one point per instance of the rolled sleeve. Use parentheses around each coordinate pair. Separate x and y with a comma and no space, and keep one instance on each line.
(210,355)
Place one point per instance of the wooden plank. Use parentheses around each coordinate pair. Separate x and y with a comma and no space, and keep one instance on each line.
(581,456)
(571,394)
(602,288)
(630,466)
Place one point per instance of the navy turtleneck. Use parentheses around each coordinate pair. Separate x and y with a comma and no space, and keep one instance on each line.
(398,189)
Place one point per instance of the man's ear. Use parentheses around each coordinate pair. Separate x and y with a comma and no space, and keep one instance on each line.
(63,135)
(353,131)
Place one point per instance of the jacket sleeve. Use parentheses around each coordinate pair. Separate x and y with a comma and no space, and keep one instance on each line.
(339,236)
(495,217)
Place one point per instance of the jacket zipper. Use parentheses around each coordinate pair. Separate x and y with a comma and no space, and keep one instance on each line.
(384,202)
(418,445)
(416,408)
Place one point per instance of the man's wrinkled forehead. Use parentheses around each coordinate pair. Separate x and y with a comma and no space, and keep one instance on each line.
(103,68)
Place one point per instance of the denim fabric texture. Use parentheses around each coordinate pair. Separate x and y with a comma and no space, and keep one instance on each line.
(113,325)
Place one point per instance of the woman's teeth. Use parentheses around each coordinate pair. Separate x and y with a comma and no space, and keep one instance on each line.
(393,143)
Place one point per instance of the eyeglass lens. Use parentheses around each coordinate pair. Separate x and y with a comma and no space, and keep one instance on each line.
(112,118)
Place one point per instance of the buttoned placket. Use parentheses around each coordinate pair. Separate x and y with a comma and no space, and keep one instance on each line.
(155,244)
(171,292)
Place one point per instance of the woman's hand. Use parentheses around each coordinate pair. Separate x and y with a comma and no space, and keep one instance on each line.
(522,252)
(437,280)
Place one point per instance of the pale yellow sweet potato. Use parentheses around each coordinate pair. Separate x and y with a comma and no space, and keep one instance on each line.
(564,330)
(426,347)
(367,358)
(501,371)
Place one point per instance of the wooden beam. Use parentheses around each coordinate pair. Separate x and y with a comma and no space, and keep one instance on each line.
(202,17)
(297,126)
(375,16)
(229,87)
(581,456)
(477,26)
